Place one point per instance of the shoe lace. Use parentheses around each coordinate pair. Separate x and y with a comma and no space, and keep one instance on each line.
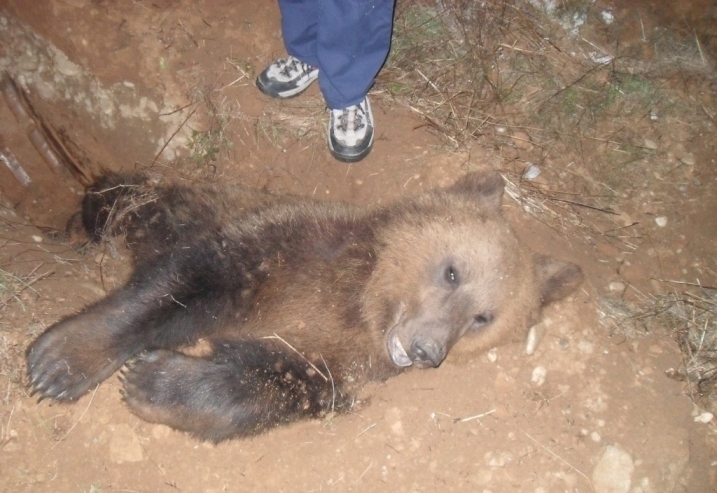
(352,118)
(293,65)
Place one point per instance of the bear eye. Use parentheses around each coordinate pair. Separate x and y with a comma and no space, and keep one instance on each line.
(481,320)
(451,275)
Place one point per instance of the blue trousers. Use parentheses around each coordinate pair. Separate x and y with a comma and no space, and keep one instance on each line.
(347,40)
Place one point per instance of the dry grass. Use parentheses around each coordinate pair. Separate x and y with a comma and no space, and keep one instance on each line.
(691,316)
(12,286)
(555,86)
(508,76)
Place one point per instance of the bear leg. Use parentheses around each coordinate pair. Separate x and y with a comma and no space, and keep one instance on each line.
(166,304)
(243,388)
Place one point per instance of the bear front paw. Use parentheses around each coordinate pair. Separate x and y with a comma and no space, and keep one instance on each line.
(64,363)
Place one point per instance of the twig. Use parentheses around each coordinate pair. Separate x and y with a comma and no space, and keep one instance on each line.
(521,50)
(562,460)
(78,419)
(364,473)
(6,434)
(699,48)
(696,284)
(297,352)
(181,24)
(175,133)
(606,211)
(175,300)
(354,438)
(471,418)
(333,388)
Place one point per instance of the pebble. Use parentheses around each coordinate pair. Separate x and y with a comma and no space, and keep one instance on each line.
(535,337)
(689,160)
(493,355)
(613,472)
(705,417)
(595,437)
(498,459)
(661,221)
(616,287)
(36,238)
(650,144)
(532,172)
(538,376)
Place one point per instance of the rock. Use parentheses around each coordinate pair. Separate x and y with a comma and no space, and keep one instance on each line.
(705,417)
(617,287)
(492,355)
(535,337)
(613,472)
(650,144)
(531,172)
(124,445)
(661,221)
(538,376)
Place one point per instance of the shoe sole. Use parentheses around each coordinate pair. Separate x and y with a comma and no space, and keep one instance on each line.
(353,158)
(286,94)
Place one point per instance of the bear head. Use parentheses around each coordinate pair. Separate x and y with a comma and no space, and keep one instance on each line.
(450,268)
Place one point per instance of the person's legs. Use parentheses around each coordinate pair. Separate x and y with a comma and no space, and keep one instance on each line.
(354,37)
(343,43)
(299,28)
(289,77)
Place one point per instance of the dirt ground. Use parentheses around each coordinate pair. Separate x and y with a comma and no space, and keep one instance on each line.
(166,86)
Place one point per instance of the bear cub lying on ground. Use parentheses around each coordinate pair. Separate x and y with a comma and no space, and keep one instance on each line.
(302,301)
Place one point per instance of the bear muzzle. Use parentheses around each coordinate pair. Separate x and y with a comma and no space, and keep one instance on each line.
(425,352)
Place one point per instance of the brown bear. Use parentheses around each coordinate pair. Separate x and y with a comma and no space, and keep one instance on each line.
(301,301)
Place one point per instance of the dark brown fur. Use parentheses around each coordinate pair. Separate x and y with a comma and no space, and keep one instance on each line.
(302,301)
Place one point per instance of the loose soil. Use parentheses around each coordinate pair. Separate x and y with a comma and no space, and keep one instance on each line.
(166,87)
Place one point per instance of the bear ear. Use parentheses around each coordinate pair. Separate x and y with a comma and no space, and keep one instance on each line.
(484,186)
(557,279)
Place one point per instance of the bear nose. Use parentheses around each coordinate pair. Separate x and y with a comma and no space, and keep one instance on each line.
(428,351)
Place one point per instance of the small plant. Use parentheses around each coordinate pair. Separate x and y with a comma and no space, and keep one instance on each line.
(205,146)
(10,288)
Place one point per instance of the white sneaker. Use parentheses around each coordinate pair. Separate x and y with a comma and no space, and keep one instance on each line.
(286,78)
(351,132)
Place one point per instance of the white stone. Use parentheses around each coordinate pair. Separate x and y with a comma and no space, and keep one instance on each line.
(661,221)
(616,287)
(532,172)
(493,355)
(613,472)
(538,376)
(705,417)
